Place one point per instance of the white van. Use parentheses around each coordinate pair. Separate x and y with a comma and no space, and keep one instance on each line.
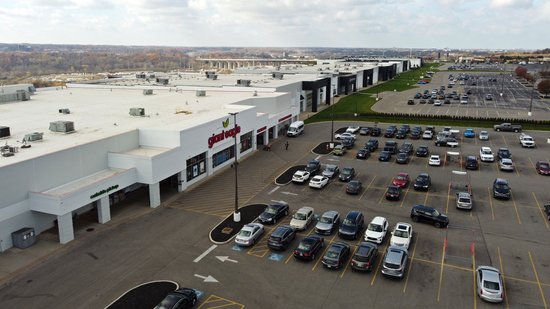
(296,128)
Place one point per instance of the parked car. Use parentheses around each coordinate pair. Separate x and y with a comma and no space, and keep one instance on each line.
(376,132)
(486,154)
(364,258)
(501,189)
(363,154)
(464,200)
(274,212)
(348,142)
(353,129)
(300,176)
(391,146)
(489,284)
(365,130)
(470,163)
(302,218)
(410,102)
(336,255)
(181,298)
(422,151)
(401,180)
(527,141)
(401,235)
(390,132)
(249,234)
(339,150)
(384,156)
(469,133)
(376,230)
(434,160)
(354,187)
(402,158)
(547,211)
(313,167)
(543,167)
(415,134)
(506,164)
(331,170)
(421,213)
(395,262)
(406,147)
(422,182)
(347,174)
(318,182)
(281,237)
(352,225)
(393,193)
(344,135)
(372,144)
(483,135)
(309,247)
(504,153)
(427,135)
(328,222)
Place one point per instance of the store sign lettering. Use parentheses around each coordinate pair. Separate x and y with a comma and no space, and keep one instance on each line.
(216,138)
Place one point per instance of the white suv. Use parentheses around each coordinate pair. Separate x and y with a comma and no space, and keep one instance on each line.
(401,235)
(486,154)
(376,230)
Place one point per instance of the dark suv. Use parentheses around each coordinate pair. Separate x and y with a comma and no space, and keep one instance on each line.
(352,225)
(391,146)
(471,163)
(313,167)
(501,189)
(423,182)
(407,148)
(421,213)
(372,144)
(281,237)
(364,257)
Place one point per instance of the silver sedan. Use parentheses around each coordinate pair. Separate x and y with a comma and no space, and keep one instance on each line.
(249,234)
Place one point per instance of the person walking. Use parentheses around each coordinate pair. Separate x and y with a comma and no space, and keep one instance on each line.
(286,145)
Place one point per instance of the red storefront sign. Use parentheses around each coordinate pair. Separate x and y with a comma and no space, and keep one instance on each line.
(216,138)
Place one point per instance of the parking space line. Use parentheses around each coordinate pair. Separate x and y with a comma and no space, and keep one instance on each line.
(448,198)
(503,278)
(491,203)
(214,299)
(531,161)
(441,272)
(504,139)
(365,191)
(538,281)
(349,261)
(381,252)
(515,207)
(426,198)
(410,265)
(404,196)
(540,209)
(473,252)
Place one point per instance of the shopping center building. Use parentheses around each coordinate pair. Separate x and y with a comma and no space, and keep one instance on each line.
(68,150)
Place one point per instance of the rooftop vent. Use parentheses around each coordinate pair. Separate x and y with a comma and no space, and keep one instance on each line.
(147,91)
(211,75)
(200,93)
(32,137)
(64,111)
(23,95)
(162,80)
(8,151)
(244,82)
(137,111)
(277,75)
(4,132)
(141,75)
(62,126)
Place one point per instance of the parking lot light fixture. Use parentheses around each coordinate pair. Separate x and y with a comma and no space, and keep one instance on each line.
(332,120)
(529,113)
(236,214)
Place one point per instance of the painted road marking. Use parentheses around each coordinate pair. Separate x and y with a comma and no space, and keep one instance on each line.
(503,278)
(276,257)
(273,190)
(237,248)
(206,278)
(205,253)
(289,193)
(226,258)
(538,281)
(219,303)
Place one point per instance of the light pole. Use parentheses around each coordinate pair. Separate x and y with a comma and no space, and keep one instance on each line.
(332,120)
(236,214)
(529,113)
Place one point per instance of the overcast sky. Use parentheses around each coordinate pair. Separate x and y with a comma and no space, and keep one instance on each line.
(492,24)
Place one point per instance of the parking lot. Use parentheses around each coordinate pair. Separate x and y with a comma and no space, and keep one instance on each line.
(513,103)
(172,243)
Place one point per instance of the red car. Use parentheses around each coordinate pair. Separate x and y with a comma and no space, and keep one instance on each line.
(401,180)
(543,168)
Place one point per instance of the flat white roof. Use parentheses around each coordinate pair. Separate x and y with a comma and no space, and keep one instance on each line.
(99,112)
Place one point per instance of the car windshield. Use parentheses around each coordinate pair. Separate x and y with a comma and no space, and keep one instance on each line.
(330,169)
(304,246)
(401,233)
(464,200)
(487,152)
(311,165)
(299,216)
(245,233)
(544,165)
(375,227)
(501,185)
(348,222)
(491,285)
(421,178)
(325,220)
(346,171)
(393,189)
(401,177)
(271,210)
(435,213)
(332,254)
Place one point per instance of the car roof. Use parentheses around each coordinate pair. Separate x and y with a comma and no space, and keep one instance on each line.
(464,194)
(331,165)
(506,160)
(501,180)
(353,214)
(485,148)
(305,209)
(489,273)
(301,172)
(281,229)
(434,156)
(318,177)
(278,204)
(424,207)
(378,220)
(364,248)
(339,245)
(403,226)
(403,174)
(423,174)
(330,214)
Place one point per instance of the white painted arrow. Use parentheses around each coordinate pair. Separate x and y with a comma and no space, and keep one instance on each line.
(226,258)
(289,193)
(207,279)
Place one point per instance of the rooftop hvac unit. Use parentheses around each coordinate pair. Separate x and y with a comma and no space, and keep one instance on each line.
(277,75)
(62,126)
(32,137)
(4,132)
(137,111)
(162,80)
(23,95)
(64,111)
(211,75)
(200,93)
(147,91)
(141,76)
(244,82)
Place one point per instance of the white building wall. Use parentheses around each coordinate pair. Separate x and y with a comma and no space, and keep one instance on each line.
(359,80)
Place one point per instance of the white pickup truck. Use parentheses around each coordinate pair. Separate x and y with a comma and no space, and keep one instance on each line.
(526,141)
